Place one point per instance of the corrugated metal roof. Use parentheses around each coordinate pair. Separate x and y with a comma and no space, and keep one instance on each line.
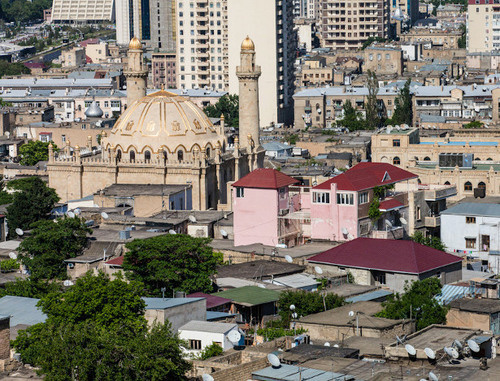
(293,373)
(250,295)
(369,296)
(21,310)
(474,209)
(216,315)
(208,326)
(450,292)
(162,304)
(295,281)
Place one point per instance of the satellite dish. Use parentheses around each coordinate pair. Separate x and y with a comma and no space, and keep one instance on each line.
(430,353)
(19,231)
(192,218)
(457,344)
(403,220)
(295,315)
(77,211)
(318,270)
(474,347)
(336,346)
(70,214)
(104,215)
(207,377)
(261,286)
(288,259)
(292,307)
(68,283)
(345,231)
(452,352)
(388,223)
(172,231)
(12,255)
(400,340)
(327,344)
(234,337)
(350,236)
(433,377)
(410,349)
(351,313)
(274,360)
(223,232)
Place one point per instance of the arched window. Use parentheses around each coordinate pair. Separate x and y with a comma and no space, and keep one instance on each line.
(416,158)
(427,158)
(208,151)
(132,156)
(468,186)
(447,183)
(396,160)
(119,155)
(489,159)
(165,157)
(147,155)
(476,158)
(481,185)
(180,155)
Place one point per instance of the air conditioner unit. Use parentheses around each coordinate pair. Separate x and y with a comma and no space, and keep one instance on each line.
(71,265)
(284,212)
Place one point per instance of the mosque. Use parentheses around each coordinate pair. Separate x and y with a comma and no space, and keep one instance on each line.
(165,139)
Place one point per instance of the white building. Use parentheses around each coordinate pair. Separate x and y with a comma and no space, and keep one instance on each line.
(82,11)
(201,334)
(473,229)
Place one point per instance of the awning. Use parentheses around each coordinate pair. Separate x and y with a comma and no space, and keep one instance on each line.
(390,204)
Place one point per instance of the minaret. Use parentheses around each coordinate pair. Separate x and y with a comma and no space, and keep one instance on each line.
(248,75)
(136,73)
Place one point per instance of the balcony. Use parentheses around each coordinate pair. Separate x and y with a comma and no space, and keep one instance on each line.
(439,192)
(432,222)
(396,232)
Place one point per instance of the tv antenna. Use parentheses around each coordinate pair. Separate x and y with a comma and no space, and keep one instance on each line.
(172,231)
(223,233)
(430,353)
(318,270)
(70,214)
(410,349)
(104,215)
(234,337)
(207,377)
(474,347)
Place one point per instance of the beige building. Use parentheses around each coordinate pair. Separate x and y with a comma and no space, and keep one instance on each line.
(98,53)
(164,138)
(73,57)
(315,73)
(483,32)
(383,60)
(445,38)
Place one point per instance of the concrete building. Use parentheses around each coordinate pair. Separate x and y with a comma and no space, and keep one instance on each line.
(82,11)
(201,334)
(408,8)
(348,24)
(177,311)
(164,70)
(437,37)
(481,314)
(483,19)
(390,263)
(73,58)
(383,59)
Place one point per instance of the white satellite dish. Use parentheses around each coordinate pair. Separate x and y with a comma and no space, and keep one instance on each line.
(288,259)
(457,344)
(274,360)
(68,283)
(350,236)
(234,337)
(318,270)
(70,214)
(19,231)
(295,315)
(292,307)
(223,232)
(207,377)
(77,211)
(261,286)
(172,231)
(403,220)
(192,218)
(336,346)
(452,352)
(12,255)
(430,353)
(351,313)
(327,344)
(104,215)
(474,347)
(388,223)
(433,377)
(345,231)
(410,349)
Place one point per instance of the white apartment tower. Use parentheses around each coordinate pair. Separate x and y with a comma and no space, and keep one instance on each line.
(82,11)
(483,26)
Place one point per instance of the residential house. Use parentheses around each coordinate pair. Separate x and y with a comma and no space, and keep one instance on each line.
(390,263)
(278,150)
(483,314)
(383,59)
(177,311)
(92,258)
(214,302)
(201,334)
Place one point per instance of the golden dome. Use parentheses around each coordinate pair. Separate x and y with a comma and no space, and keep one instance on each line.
(247,44)
(163,121)
(135,44)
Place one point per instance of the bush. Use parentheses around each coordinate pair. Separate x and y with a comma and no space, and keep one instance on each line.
(212,350)
(9,265)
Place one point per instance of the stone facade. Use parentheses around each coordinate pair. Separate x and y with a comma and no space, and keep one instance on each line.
(4,337)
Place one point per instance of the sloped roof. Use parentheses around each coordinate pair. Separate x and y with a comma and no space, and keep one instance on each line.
(212,300)
(21,310)
(367,175)
(118,261)
(390,204)
(386,255)
(250,295)
(474,209)
(208,326)
(265,178)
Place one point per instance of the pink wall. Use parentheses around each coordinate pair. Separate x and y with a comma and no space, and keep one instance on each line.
(327,220)
(256,216)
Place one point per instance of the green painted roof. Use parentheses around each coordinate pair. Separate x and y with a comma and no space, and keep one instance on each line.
(250,295)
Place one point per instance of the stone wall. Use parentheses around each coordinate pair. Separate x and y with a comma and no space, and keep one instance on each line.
(4,338)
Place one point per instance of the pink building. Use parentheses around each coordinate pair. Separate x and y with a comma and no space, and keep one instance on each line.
(339,206)
(261,199)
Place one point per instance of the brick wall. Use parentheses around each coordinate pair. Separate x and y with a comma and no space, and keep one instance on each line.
(4,338)
(240,372)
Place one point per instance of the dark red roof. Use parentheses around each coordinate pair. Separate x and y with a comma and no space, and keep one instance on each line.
(390,204)
(386,255)
(265,178)
(367,175)
(35,65)
(118,261)
(212,300)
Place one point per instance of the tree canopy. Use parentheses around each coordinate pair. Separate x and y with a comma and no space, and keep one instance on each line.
(371,104)
(176,262)
(29,288)
(96,331)
(34,151)
(12,68)
(403,111)
(430,241)
(33,203)
(352,119)
(418,302)
(51,242)
(227,105)
(23,10)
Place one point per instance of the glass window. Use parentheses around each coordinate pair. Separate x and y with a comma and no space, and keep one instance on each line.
(321,197)
(396,161)
(470,220)
(362,198)
(240,192)
(470,243)
(468,186)
(396,143)
(345,198)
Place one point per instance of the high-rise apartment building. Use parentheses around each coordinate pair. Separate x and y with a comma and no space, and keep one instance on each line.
(408,8)
(82,11)
(347,24)
(483,26)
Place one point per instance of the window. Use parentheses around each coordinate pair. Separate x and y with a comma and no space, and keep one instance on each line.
(240,192)
(396,161)
(427,158)
(470,220)
(147,156)
(345,198)
(180,155)
(379,277)
(362,198)
(132,156)
(468,186)
(396,143)
(419,213)
(194,344)
(321,197)
(470,243)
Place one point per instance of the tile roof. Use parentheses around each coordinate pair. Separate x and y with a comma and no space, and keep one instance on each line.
(118,261)
(265,178)
(386,255)
(367,175)
(250,295)
(390,204)
(212,300)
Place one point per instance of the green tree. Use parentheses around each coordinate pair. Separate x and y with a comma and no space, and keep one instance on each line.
(51,242)
(462,40)
(227,105)
(418,302)
(352,119)
(374,210)
(371,104)
(5,197)
(306,303)
(212,350)
(403,112)
(430,241)
(35,151)
(12,68)
(176,262)
(31,204)
(29,288)
(474,124)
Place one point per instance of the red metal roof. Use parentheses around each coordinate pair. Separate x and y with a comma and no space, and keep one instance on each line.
(265,178)
(118,261)
(386,255)
(367,175)
(390,204)
(212,300)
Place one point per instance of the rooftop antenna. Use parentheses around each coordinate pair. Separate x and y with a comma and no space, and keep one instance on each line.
(223,233)
(207,377)
(70,214)
(403,220)
(288,259)
(345,231)
(388,224)
(410,349)
(433,377)
(77,211)
(274,360)
(172,231)
(451,352)
(19,231)
(327,344)
(234,337)
(68,283)
(400,340)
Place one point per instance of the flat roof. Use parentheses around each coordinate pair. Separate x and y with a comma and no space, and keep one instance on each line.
(21,310)
(482,306)
(250,295)
(369,296)
(259,269)
(163,304)
(473,209)
(294,373)
(127,190)
(437,337)
(208,326)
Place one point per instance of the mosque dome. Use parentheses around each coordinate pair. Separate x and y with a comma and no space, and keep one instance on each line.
(135,44)
(163,122)
(247,44)
(94,111)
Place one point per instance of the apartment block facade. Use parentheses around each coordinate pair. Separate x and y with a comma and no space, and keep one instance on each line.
(483,26)
(164,70)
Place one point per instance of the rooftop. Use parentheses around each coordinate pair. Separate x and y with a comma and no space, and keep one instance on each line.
(165,303)
(212,300)
(482,306)
(207,326)
(21,310)
(294,373)
(379,254)
(437,337)
(259,269)
(265,178)
(474,209)
(129,190)
(306,352)
(369,296)
(250,295)
(97,251)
